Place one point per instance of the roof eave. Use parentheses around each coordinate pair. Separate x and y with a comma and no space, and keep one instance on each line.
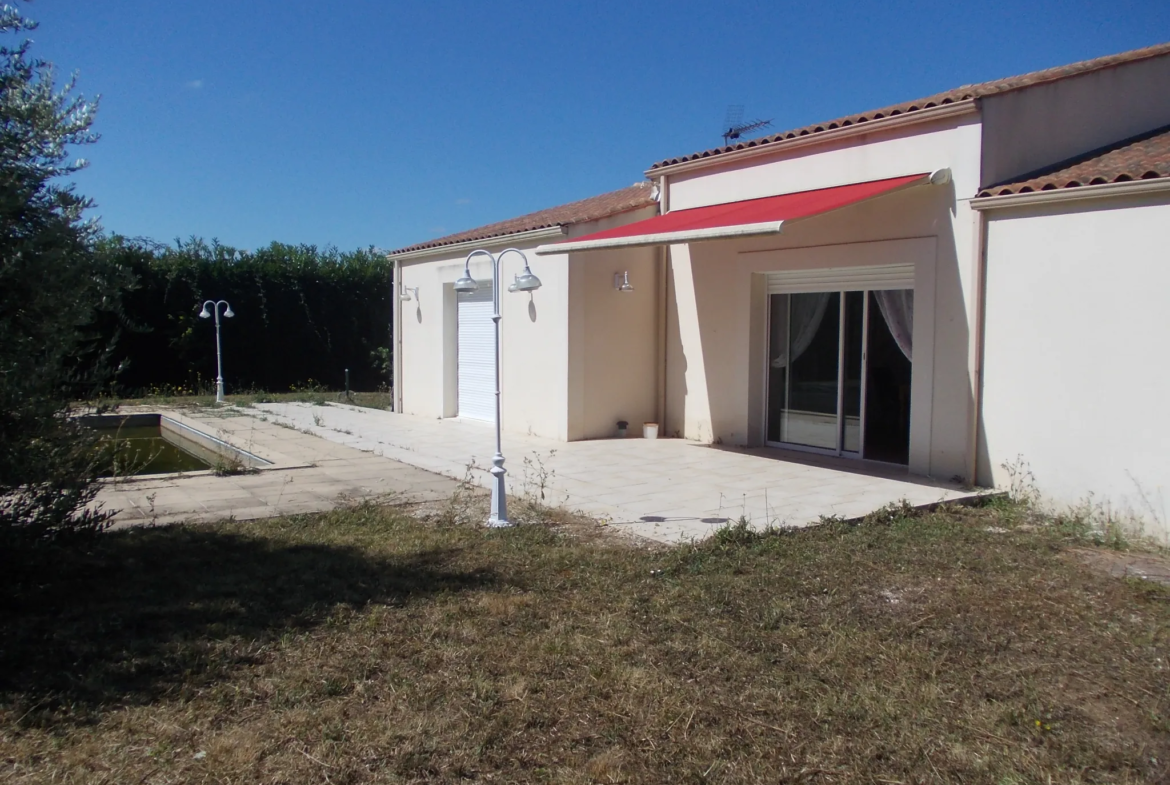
(1070,194)
(930,115)
(514,238)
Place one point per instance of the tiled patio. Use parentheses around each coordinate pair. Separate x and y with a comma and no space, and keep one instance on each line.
(666,489)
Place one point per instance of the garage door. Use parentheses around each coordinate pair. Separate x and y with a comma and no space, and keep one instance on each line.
(477,376)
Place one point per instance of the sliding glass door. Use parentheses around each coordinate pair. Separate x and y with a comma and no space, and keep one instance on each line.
(837,380)
(804,369)
(888,366)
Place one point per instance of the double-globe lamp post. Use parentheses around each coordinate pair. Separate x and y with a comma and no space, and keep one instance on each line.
(525,282)
(205,314)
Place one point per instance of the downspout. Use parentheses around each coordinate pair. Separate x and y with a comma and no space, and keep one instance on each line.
(663,260)
(660,253)
(976,348)
(396,393)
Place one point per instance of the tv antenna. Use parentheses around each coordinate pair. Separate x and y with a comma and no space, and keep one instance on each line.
(734,127)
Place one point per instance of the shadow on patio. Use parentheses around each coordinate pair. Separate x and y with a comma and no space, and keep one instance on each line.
(864,468)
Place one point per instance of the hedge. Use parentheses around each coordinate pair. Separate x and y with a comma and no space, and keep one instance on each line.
(302,316)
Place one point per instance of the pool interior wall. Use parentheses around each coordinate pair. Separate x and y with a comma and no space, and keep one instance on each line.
(157,444)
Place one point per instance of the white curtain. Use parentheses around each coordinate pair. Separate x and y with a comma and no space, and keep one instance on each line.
(897,307)
(808,310)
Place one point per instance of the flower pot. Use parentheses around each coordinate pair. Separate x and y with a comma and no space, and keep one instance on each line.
(622,425)
(649,430)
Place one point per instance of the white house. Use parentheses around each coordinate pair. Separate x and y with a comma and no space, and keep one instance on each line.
(1075,353)
(573,357)
(964,284)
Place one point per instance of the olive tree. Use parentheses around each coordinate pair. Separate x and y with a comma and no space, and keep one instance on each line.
(52,290)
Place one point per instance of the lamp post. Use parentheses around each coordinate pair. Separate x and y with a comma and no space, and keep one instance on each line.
(525,282)
(205,314)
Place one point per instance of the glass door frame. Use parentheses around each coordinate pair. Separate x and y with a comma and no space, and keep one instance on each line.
(841,337)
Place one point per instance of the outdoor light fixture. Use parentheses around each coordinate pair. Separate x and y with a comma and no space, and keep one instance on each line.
(466,283)
(524,282)
(205,314)
(406,290)
(621,282)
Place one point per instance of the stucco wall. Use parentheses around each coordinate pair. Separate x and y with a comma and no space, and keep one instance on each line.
(534,338)
(875,156)
(612,343)
(613,352)
(1027,129)
(575,334)
(710,394)
(1076,374)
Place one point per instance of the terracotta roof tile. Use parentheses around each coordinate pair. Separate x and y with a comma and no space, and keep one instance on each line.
(967,92)
(591,209)
(1145,157)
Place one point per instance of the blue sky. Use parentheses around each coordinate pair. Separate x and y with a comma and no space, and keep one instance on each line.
(379,122)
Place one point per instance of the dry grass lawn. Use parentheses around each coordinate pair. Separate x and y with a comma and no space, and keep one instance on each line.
(368,646)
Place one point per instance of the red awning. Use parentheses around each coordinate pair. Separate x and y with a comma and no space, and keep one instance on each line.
(738,219)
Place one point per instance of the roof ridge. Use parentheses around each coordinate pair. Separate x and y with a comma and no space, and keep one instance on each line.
(1069,70)
(642,184)
(954,95)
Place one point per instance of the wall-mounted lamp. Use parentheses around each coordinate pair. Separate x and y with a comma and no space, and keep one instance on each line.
(406,290)
(621,282)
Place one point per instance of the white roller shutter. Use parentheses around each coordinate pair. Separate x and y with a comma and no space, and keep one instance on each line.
(477,353)
(838,279)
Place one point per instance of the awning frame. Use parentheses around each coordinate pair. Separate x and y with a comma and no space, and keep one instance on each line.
(937,177)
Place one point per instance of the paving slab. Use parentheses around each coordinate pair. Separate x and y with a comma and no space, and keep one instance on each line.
(668,490)
(308,474)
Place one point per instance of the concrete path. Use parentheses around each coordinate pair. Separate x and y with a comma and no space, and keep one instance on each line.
(309,474)
(668,490)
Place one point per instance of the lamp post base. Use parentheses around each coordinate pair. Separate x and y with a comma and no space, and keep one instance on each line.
(219,390)
(499,515)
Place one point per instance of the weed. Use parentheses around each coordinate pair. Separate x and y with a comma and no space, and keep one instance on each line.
(537,477)
(125,458)
(738,533)
(891,513)
(151,512)
(1022,488)
(310,385)
(230,465)
(465,505)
